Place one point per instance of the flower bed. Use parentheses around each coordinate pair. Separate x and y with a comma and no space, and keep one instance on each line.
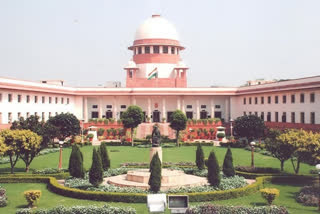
(3,197)
(308,195)
(217,209)
(79,209)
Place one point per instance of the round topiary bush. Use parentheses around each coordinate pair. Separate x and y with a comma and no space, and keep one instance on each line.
(270,194)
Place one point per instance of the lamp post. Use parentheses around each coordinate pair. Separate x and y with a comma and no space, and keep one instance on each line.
(60,156)
(318,168)
(82,121)
(252,153)
(231,121)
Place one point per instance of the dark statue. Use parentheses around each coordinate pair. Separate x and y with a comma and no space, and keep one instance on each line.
(155,137)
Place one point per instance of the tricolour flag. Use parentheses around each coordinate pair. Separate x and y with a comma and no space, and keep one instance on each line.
(153,74)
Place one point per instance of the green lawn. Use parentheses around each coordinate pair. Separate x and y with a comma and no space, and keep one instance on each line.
(128,154)
(121,154)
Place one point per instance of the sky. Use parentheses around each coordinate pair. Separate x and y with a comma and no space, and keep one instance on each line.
(85,42)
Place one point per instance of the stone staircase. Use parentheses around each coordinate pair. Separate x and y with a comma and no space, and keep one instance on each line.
(145,129)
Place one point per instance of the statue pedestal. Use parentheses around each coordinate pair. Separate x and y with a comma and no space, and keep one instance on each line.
(154,150)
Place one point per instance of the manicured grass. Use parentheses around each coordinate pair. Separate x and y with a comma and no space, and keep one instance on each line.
(121,154)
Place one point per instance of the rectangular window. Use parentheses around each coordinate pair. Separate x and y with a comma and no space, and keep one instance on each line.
(156,49)
(139,50)
(284,117)
(109,106)
(9,98)
(62,100)
(312,98)
(49,114)
(277,116)
(35,99)
(250,113)
(276,99)
(244,101)
(293,98)
(56,100)
(50,100)
(43,116)
(19,115)
(217,106)
(0,97)
(262,100)
(269,116)
(293,117)
(256,100)
(244,113)
(269,100)
(94,114)
(28,99)
(68,100)
(250,100)
(94,106)
(28,114)
(262,116)
(9,117)
(203,106)
(165,49)
(284,99)
(301,98)
(256,113)
(147,49)
(301,117)
(312,118)
(19,99)
(123,106)
(189,106)
(43,99)
(172,50)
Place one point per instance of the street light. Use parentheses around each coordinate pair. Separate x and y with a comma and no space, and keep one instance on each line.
(252,153)
(231,121)
(318,168)
(82,121)
(60,157)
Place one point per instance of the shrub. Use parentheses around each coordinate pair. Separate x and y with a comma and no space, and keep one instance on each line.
(236,144)
(87,209)
(216,209)
(96,172)
(100,131)
(308,195)
(90,135)
(213,170)
(32,197)
(104,157)
(221,135)
(24,211)
(76,168)
(228,169)
(270,194)
(257,169)
(155,173)
(199,157)
(3,197)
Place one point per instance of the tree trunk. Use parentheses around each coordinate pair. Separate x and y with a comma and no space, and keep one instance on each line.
(131,136)
(296,168)
(282,163)
(177,138)
(27,168)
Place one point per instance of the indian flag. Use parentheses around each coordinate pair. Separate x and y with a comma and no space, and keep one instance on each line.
(153,74)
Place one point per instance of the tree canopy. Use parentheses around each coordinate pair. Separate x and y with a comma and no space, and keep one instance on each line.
(66,125)
(178,123)
(249,126)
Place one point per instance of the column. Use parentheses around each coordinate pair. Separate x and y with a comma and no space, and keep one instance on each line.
(226,113)
(134,101)
(164,113)
(115,110)
(183,106)
(149,108)
(178,103)
(85,109)
(212,108)
(100,107)
(198,110)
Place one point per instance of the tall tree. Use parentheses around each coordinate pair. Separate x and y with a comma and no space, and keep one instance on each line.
(104,157)
(10,147)
(76,168)
(96,171)
(278,148)
(249,126)
(199,157)
(213,170)
(131,118)
(66,125)
(178,123)
(155,174)
(228,169)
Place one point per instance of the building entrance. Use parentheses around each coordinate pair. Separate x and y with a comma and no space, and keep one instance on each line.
(109,114)
(189,114)
(203,115)
(156,116)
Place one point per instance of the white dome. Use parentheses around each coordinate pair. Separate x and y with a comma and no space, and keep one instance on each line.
(156,27)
